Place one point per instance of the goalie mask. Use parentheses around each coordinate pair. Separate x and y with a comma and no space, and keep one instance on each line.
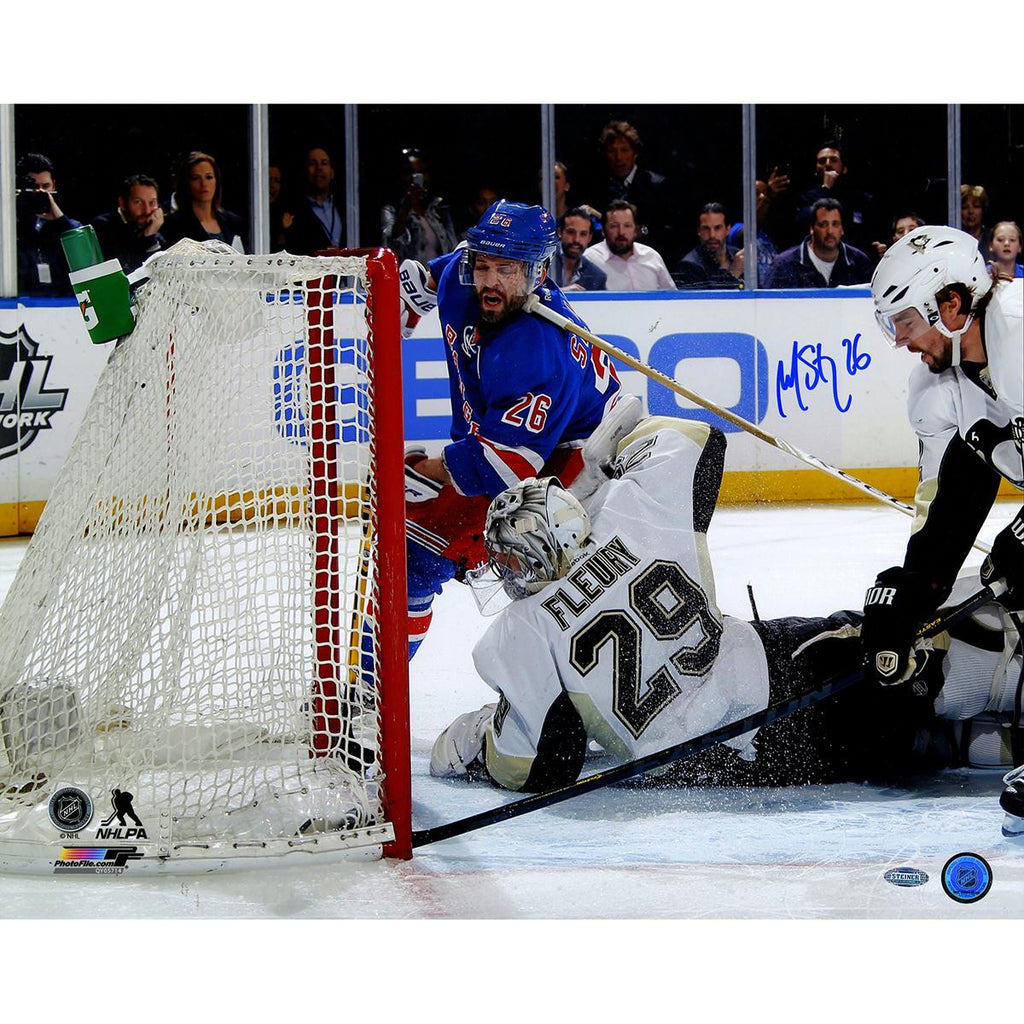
(913,270)
(534,531)
(512,231)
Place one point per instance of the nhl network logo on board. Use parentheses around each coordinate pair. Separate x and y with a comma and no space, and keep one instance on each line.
(26,406)
(122,804)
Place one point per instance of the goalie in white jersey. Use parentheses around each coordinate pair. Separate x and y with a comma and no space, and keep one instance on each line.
(619,646)
(615,638)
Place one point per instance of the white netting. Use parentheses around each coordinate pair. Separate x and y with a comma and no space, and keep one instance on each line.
(187,612)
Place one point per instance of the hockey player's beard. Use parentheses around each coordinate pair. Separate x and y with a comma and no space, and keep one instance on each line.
(492,315)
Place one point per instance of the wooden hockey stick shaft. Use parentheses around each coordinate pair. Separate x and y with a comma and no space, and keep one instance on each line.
(689,748)
(533,304)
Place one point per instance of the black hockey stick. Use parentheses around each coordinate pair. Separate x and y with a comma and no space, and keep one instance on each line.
(689,748)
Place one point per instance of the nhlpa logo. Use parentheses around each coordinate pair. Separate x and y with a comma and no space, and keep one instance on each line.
(26,405)
(122,809)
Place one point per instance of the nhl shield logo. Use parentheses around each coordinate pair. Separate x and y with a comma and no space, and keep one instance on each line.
(26,405)
(70,809)
(886,663)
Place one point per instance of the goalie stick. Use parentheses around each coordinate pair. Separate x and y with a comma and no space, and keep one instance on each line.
(533,304)
(680,751)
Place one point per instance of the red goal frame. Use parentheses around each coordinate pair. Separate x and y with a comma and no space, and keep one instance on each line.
(388,597)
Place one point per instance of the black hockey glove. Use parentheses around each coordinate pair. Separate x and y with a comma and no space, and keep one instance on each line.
(893,610)
(1006,562)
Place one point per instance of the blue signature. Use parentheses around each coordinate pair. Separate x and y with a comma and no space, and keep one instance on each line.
(810,366)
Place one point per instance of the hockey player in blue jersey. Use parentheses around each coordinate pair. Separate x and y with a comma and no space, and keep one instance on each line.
(525,394)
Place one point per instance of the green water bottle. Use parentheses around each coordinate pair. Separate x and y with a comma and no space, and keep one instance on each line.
(100,286)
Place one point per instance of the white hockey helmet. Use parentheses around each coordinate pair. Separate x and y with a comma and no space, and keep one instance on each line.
(918,266)
(533,532)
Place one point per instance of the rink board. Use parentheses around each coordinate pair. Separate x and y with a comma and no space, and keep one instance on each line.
(808,367)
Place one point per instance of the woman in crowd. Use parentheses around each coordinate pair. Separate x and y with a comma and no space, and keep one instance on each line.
(199,213)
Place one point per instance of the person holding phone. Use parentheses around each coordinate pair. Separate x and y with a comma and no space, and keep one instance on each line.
(418,227)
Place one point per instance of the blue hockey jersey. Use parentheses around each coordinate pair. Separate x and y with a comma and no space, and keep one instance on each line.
(519,389)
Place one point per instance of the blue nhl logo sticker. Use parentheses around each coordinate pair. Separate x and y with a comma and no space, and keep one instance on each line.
(966,878)
(905,877)
(70,809)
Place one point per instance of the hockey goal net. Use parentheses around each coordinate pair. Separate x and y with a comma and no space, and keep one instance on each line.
(203,652)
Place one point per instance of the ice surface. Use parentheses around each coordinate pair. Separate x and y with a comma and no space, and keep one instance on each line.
(812,852)
(616,866)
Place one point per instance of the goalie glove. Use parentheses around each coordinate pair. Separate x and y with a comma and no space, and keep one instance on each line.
(418,298)
(1006,562)
(893,609)
(458,753)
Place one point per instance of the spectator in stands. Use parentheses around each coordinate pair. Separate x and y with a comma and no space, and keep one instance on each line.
(563,184)
(973,206)
(626,179)
(317,222)
(1007,242)
(199,212)
(418,227)
(570,268)
(280,216)
(833,180)
(774,206)
(713,263)
(131,233)
(823,259)
(42,265)
(767,250)
(767,213)
(628,265)
(901,224)
(483,198)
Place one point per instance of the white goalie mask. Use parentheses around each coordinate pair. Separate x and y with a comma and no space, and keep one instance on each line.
(913,270)
(533,533)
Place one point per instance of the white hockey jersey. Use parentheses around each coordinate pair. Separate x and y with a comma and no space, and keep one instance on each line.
(632,634)
(942,405)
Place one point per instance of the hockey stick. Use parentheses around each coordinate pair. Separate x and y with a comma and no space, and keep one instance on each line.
(533,304)
(681,751)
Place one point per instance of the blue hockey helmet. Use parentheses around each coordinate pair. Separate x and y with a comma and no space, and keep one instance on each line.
(513,231)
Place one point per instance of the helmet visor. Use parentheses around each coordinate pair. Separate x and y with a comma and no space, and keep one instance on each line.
(492,591)
(904,326)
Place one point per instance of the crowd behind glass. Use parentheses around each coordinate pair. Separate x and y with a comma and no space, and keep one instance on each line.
(623,224)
